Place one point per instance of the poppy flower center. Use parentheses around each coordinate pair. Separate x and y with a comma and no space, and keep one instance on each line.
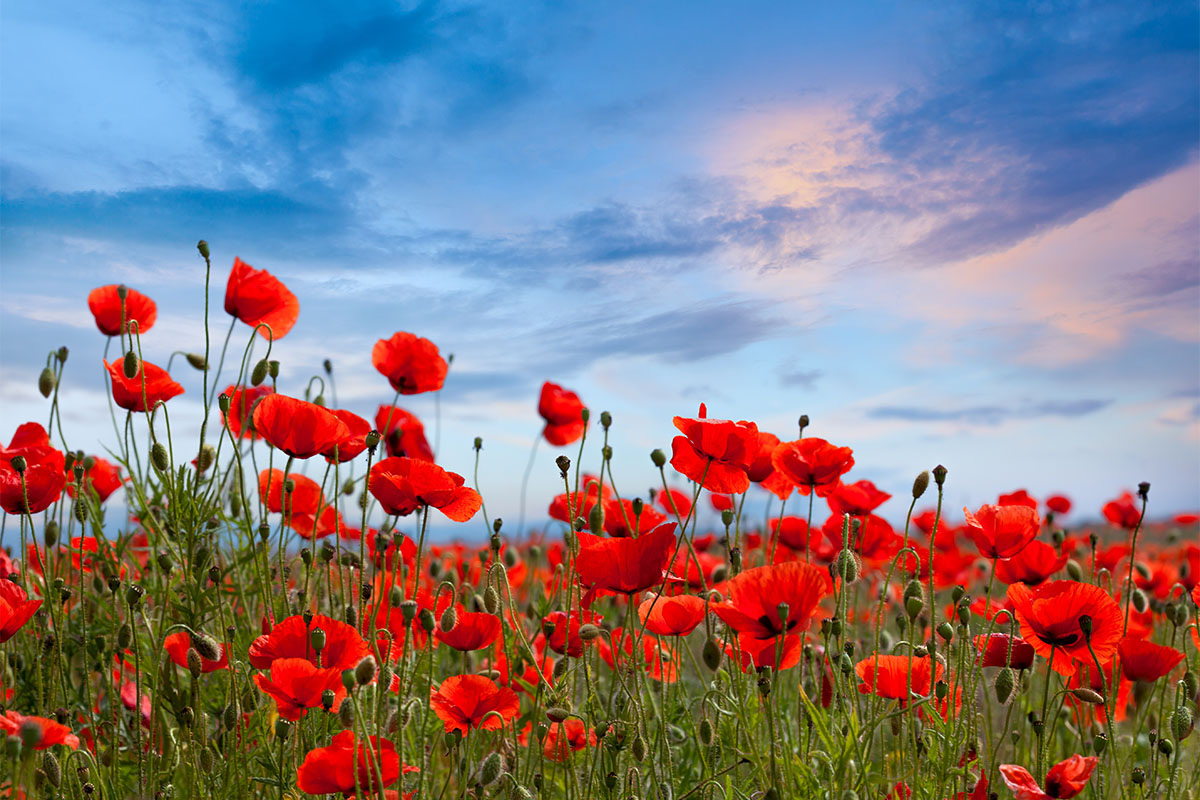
(773,626)
(1060,635)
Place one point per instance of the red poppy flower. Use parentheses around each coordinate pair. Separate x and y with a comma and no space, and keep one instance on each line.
(755,596)
(15,608)
(856,499)
(298,428)
(402,485)
(624,566)
(303,499)
(410,363)
(105,305)
(296,686)
(464,702)
(794,533)
(403,433)
(1065,779)
(888,676)
(876,540)
(812,464)
(1018,498)
(346,764)
(177,645)
(52,732)
(34,491)
(563,412)
(354,443)
(128,392)
(256,297)
(472,631)
(1049,617)
(564,641)
(1143,660)
(994,651)
(655,659)
(344,647)
(581,502)
(100,480)
(672,616)
(761,467)
(751,653)
(1036,562)
(716,450)
(673,501)
(617,513)
(1059,504)
(1122,512)
(566,737)
(242,402)
(1002,531)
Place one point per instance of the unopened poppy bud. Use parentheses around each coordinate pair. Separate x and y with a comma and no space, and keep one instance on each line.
(945,631)
(847,566)
(160,458)
(205,457)
(658,458)
(197,361)
(1088,696)
(449,619)
(638,748)
(557,713)
(130,364)
(229,716)
(720,573)
(845,664)
(49,533)
(52,769)
(735,559)
(1166,746)
(596,519)
(588,632)
(920,484)
(194,665)
(206,646)
(564,464)
(259,373)
(1191,683)
(1139,601)
(493,765)
(427,623)
(1144,489)
(1006,681)
(346,715)
(711,654)
(1182,722)
(365,671)
(802,422)
(46,382)
(1074,571)
(317,639)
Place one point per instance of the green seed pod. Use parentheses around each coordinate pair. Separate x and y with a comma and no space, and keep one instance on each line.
(920,484)
(1139,601)
(711,654)
(283,729)
(1074,571)
(49,534)
(328,696)
(596,519)
(658,457)
(492,766)
(964,612)
(52,769)
(706,732)
(273,371)
(564,465)
(160,458)
(1088,696)
(259,373)
(46,382)
(1166,747)
(202,246)
(197,361)
(1099,744)
(130,365)
(1006,681)
(914,606)
(426,618)
(317,638)
(845,664)
(124,637)
(1138,776)
(365,671)
(939,475)
(945,631)
(638,749)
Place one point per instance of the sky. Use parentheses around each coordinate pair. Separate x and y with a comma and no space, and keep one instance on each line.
(955,233)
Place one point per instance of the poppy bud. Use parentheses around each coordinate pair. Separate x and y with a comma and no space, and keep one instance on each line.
(605,420)
(46,382)
(130,364)
(735,559)
(427,623)
(317,639)
(1166,746)
(563,464)
(492,766)
(920,484)
(1139,601)
(205,458)
(50,532)
(920,651)
(1181,722)
(259,373)
(449,619)
(720,574)
(1006,681)
(1144,489)
(346,715)
(847,566)
(230,716)
(845,664)
(160,458)
(52,769)
(711,654)
(706,732)
(1074,571)
(1191,684)
(638,749)
(588,632)
(557,713)
(803,422)
(764,684)
(194,665)
(914,605)
(596,519)
(1088,696)
(658,457)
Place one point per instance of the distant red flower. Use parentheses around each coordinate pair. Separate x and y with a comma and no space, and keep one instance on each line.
(755,596)
(410,363)
(812,464)
(465,702)
(856,499)
(718,451)
(1018,498)
(1143,660)
(888,676)
(100,480)
(794,533)
(994,651)
(255,296)
(761,467)
(672,616)
(105,305)
(1002,531)
(753,653)
(1065,779)
(345,764)
(1122,512)
(403,433)
(52,732)
(472,631)
(624,566)
(673,501)
(355,442)
(876,540)
(303,499)
(298,428)
(296,686)
(1049,617)
(242,402)
(1187,518)
(1032,565)
(563,641)
(1059,504)
(402,485)
(617,513)
(177,645)
(562,410)
(566,737)
(344,647)
(655,660)
(15,608)
(128,392)
(720,502)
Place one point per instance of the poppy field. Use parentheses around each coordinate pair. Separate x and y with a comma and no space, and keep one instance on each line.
(268,615)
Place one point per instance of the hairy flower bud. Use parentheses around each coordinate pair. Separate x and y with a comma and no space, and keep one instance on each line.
(259,373)
(160,458)
(492,766)
(46,382)
(920,484)
(130,364)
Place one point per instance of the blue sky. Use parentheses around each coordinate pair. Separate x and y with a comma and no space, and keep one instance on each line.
(950,233)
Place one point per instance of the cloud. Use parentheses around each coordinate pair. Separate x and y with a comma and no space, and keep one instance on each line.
(802,378)
(989,415)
